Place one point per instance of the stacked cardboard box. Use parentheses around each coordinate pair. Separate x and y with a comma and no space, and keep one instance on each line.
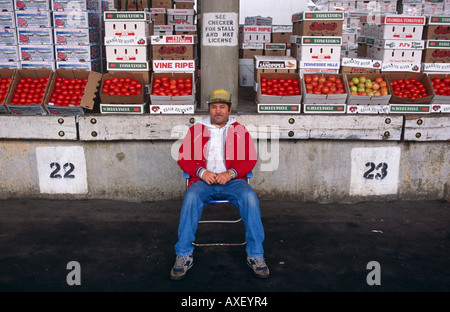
(127,46)
(174,56)
(436,56)
(313,57)
(9,55)
(396,40)
(78,41)
(422,7)
(34,34)
(252,39)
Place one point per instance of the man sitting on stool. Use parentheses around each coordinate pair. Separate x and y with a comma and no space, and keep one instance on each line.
(218,153)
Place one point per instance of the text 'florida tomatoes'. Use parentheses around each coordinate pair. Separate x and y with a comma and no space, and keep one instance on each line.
(165,86)
(280,86)
(68,91)
(30,91)
(315,84)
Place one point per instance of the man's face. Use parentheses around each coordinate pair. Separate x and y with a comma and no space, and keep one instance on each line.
(219,113)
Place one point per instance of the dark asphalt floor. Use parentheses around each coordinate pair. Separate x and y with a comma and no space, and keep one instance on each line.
(309,247)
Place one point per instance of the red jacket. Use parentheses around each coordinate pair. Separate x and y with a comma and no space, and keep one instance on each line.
(240,152)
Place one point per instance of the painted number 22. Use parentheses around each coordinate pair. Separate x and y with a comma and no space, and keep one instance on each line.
(67,167)
(380,171)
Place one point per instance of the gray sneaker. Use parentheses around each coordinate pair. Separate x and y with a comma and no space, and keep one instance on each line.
(258,266)
(182,265)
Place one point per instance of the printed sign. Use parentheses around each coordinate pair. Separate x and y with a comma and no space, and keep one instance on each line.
(62,170)
(220,29)
(374,171)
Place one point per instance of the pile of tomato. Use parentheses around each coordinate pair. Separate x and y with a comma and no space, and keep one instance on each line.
(4,85)
(165,86)
(30,91)
(68,91)
(315,84)
(122,86)
(280,86)
(441,86)
(409,88)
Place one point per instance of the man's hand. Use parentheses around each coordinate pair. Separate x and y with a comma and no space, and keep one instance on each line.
(209,177)
(212,178)
(223,177)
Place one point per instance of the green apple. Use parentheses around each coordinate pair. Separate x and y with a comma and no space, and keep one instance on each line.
(353,88)
(355,80)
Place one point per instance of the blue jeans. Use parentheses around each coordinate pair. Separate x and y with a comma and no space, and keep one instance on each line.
(240,194)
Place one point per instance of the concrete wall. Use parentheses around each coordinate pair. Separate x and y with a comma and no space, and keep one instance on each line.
(306,170)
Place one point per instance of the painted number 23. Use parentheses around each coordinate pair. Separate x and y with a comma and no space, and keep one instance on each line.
(67,167)
(379,172)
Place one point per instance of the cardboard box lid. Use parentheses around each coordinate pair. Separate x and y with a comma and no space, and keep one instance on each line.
(317,15)
(438,44)
(180,11)
(361,62)
(397,19)
(438,20)
(127,16)
(174,39)
(316,40)
(275,62)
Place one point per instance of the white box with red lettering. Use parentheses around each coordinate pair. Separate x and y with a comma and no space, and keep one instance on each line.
(180,16)
(183,71)
(396,27)
(258,34)
(126,27)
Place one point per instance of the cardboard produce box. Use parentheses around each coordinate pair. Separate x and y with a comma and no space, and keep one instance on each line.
(318,23)
(281,34)
(316,48)
(122,57)
(276,99)
(273,64)
(72,5)
(397,27)
(439,99)
(255,34)
(309,98)
(30,109)
(437,51)
(5,73)
(250,49)
(366,99)
(174,47)
(275,49)
(180,17)
(418,76)
(184,4)
(360,65)
(167,4)
(121,99)
(89,95)
(437,28)
(159,16)
(173,100)
(33,19)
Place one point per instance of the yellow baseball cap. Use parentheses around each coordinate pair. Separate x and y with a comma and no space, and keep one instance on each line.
(220,96)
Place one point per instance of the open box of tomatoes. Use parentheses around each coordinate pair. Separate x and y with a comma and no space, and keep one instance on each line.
(71,91)
(367,89)
(172,88)
(324,89)
(441,88)
(410,88)
(279,88)
(28,89)
(6,77)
